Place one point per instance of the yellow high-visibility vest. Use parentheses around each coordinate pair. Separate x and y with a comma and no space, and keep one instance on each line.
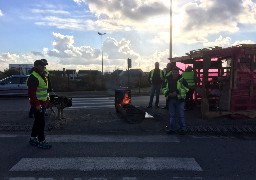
(41,92)
(189,77)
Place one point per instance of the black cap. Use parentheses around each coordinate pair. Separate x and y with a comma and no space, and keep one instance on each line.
(44,61)
(39,63)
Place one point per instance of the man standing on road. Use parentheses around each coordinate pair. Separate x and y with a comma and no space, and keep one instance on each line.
(45,74)
(175,90)
(167,75)
(37,92)
(155,79)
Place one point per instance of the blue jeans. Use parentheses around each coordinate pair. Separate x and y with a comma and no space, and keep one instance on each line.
(154,88)
(176,106)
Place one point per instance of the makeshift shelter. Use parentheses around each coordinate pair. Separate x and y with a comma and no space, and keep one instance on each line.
(226,77)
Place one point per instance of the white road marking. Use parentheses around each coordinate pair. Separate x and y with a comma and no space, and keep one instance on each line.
(100,98)
(107,163)
(7,135)
(112,138)
(89,107)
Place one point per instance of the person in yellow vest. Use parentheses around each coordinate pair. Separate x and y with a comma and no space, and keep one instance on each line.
(189,75)
(175,89)
(45,74)
(38,96)
(167,74)
(155,78)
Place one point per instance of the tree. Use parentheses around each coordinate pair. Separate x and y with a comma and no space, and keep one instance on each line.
(9,72)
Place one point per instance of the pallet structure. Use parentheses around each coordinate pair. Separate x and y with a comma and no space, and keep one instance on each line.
(226,77)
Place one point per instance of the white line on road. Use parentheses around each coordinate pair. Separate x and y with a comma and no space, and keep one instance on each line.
(107,163)
(7,135)
(112,138)
(97,103)
(97,106)
(105,138)
(101,98)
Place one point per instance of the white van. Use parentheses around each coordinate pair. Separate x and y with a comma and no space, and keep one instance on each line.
(14,85)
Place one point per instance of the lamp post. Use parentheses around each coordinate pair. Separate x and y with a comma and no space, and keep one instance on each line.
(101,34)
(170,53)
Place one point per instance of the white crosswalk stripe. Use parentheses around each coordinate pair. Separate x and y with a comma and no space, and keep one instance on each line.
(112,138)
(92,103)
(92,164)
(106,163)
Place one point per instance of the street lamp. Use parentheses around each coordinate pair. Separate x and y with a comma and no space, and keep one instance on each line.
(101,34)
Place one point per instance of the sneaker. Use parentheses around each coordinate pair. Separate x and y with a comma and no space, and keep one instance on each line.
(31,116)
(33,141)
(149,106)
(156,106)
(44,145)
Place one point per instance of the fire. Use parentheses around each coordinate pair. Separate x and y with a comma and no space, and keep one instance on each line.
(126,99)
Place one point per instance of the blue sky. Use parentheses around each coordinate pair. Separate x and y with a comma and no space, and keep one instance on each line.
(65,31)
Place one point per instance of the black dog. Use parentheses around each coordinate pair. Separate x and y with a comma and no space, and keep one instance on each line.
(60,102)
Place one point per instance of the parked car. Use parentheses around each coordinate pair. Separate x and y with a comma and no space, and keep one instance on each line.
(14,85)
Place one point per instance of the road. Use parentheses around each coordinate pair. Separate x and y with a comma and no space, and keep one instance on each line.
(115,156)
(20,104)
(126,156)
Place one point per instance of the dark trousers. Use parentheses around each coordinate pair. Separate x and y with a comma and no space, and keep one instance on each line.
(155,88)
(189,102)
(39,124)
(31,111)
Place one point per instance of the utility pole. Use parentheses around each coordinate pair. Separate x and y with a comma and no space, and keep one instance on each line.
(101,34)
(129,62)
(170,51)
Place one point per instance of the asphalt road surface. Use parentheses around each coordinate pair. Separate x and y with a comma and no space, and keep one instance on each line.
(113,156)
(127,156)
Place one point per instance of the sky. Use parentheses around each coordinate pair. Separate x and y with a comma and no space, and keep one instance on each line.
(65,32)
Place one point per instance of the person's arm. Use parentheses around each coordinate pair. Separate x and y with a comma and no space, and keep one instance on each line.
(165,88)
(32,84)
(149,74)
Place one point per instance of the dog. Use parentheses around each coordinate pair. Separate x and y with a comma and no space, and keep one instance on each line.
(60,102)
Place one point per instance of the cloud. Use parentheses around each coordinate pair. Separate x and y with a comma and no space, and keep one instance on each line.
(1,13)
(220,41)
(50,11)
(116,15)
(115,52)
(135,10)
(13,58)
(207,17)
(249,12)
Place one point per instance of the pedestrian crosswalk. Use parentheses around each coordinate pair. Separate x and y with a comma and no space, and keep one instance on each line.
(103,163)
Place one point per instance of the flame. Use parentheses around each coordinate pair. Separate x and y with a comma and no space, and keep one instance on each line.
(126,99)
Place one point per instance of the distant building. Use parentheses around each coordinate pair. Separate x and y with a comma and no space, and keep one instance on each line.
(135,76)
(84,73)
(71,73)
(56,73)
(23,69)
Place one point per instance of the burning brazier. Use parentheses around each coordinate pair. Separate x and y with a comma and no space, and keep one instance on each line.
(123,105)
